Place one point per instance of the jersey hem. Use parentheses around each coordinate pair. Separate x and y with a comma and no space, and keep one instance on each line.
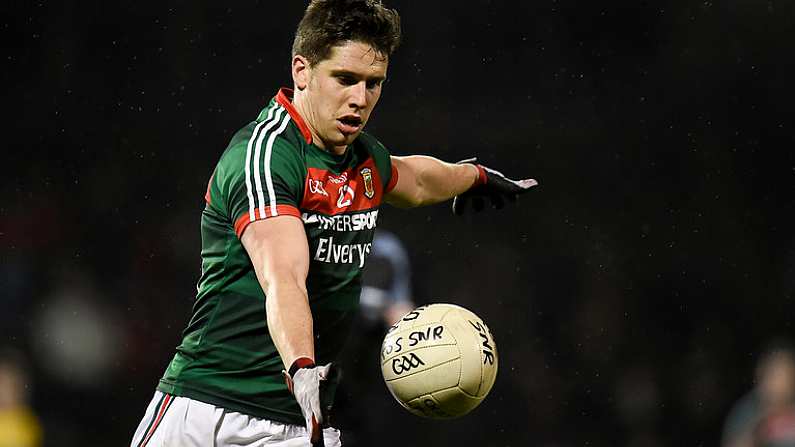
(183,390)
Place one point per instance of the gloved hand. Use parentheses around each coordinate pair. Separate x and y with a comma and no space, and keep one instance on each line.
(493,185)
(303,380)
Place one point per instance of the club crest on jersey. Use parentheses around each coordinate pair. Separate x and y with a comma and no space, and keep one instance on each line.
(367,175)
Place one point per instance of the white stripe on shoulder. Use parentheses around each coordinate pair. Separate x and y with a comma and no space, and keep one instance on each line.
(257,152)
(251,205)
(268,177)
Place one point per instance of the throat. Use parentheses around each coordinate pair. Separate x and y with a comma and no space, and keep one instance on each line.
(337,150)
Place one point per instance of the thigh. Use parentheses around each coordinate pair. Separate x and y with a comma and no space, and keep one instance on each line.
(179,421)
(171,420)
(148,420)
(241,430)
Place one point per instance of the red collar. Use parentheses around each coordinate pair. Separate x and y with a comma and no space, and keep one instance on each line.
(285,98)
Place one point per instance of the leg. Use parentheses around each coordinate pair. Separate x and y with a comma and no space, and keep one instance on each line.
(241,430)
(171,420)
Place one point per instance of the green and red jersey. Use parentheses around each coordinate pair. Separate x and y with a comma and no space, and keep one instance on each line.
(271,168)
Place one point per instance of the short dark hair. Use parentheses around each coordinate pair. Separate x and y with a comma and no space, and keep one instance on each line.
(327,23)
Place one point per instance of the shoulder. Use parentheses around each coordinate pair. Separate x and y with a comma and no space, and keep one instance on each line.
(263,157)
(260,143)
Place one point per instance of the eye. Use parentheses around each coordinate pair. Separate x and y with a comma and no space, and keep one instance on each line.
(346,80)
(374,83)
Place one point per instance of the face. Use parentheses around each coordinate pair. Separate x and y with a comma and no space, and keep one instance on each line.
(336,96)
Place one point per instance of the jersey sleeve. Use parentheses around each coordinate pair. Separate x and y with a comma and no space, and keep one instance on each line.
(261,183)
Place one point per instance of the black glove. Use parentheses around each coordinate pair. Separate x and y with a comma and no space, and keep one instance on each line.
(490,184)
(304,381)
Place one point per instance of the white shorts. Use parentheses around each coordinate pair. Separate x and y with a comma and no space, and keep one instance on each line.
(172,421)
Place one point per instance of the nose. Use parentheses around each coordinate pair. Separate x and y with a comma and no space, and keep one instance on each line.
(358,95)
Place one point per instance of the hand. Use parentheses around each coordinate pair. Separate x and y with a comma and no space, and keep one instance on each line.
(304,382)
(490,184)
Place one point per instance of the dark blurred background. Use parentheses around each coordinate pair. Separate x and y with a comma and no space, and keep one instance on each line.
(630,294)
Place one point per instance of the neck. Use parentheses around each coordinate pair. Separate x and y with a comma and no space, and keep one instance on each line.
(302,105)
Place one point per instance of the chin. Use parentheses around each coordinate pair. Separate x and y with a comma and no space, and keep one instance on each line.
(341,139)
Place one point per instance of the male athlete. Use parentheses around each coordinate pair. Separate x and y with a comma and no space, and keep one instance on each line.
(290,214)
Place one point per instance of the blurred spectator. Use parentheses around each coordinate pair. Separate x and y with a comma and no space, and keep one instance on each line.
(19,426)
(364,403)
(76,333)
(386,289)
(765,417)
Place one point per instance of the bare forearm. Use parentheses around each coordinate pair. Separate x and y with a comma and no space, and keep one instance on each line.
(279,253)
(431,180)
(290,321)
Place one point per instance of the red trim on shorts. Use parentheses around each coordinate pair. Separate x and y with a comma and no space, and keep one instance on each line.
(285,98)
(281,210)
(162,412)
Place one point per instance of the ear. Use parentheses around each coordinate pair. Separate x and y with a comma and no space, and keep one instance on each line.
(301,72)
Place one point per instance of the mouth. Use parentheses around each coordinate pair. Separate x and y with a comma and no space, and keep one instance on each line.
(349,124)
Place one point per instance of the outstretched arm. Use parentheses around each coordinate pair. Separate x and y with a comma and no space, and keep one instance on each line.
(424,180)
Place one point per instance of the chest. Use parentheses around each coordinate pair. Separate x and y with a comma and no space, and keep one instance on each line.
(340,212)
(347,192)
